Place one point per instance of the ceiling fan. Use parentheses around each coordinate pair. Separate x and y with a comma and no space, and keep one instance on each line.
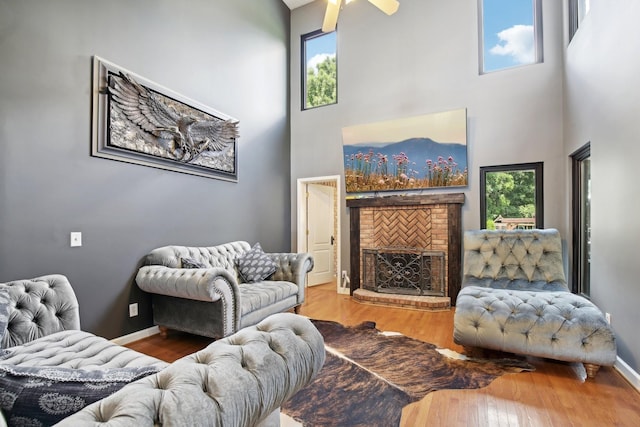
(333,8)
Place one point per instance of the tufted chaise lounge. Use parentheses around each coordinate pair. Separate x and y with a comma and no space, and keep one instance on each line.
(239,381)
(214,300)
(514,298)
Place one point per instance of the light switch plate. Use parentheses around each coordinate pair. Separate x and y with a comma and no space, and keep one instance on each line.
(76,239)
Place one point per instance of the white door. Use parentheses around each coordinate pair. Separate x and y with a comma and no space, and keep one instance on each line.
(320,229)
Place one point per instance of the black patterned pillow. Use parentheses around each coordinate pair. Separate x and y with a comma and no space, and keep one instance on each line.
(191,263)
(254,265)
(31,396)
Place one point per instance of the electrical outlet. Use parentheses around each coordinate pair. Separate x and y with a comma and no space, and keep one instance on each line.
(133,309)
(608,317)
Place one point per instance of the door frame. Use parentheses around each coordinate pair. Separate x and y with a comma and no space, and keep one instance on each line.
(301,226)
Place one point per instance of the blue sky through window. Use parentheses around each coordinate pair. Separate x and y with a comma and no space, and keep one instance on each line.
(318,48)
(508,33)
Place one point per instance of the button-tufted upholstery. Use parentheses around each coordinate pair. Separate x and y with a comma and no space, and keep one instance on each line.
(44,330)
(236,381)
(213,301)
(39,307)
(515,298)
(222,256)
(515,259)
(78,350)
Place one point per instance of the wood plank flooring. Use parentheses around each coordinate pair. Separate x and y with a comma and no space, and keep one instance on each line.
(555,395)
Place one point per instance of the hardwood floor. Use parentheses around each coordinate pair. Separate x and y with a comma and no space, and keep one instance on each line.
(556,394)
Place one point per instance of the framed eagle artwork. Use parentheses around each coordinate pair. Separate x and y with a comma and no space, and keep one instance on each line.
(138,121)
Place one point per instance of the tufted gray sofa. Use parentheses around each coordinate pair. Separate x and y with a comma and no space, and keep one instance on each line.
(238,381)
(514,298)
(43,329)
(213,301)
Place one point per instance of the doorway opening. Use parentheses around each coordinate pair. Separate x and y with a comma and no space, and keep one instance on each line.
(318,228)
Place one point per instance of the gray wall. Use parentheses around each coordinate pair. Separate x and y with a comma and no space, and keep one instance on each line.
(424,59)
(231,55)
(602,106)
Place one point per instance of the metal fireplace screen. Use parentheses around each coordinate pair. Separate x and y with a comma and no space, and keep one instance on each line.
(407,271)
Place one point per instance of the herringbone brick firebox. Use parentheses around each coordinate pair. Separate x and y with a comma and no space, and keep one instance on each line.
(424,224)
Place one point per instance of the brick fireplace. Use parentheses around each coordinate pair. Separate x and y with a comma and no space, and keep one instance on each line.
(426,227)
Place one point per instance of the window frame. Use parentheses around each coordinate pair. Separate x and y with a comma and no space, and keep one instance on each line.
(537,167)
(537,38)
(577,272)
(576,16)
(574,21)
(303,67)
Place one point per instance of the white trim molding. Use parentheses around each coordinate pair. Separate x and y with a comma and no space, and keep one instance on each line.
(301,220)
(628,373)
(135,336)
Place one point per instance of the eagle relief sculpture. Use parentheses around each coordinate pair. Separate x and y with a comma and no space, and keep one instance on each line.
(145,121)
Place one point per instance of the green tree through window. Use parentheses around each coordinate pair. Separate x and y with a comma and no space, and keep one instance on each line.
(511,196)
(319,69)
(321,83)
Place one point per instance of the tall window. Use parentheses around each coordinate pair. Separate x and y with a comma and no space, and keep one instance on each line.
(581,189)
(510,33)
(319,69)
(511,197)
(577,11)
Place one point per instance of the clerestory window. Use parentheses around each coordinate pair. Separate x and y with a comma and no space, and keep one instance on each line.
(319,69)
(577,11)
(510,33)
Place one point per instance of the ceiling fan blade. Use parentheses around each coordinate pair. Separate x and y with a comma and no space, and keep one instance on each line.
(331,16)
(387,6)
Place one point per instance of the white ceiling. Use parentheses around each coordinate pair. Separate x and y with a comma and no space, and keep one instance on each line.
(296,3)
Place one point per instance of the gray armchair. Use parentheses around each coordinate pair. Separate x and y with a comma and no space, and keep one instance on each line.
(200,290)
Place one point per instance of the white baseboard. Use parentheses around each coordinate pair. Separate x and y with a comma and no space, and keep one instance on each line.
(629,374)
(135,336)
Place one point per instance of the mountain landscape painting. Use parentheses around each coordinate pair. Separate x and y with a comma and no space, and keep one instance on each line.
(428,151)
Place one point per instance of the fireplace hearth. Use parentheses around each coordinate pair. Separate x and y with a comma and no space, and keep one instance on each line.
(406,247)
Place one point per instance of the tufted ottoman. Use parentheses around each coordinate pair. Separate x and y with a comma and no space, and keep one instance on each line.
(515,299)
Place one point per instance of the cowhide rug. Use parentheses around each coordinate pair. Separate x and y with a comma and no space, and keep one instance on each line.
(369,376)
